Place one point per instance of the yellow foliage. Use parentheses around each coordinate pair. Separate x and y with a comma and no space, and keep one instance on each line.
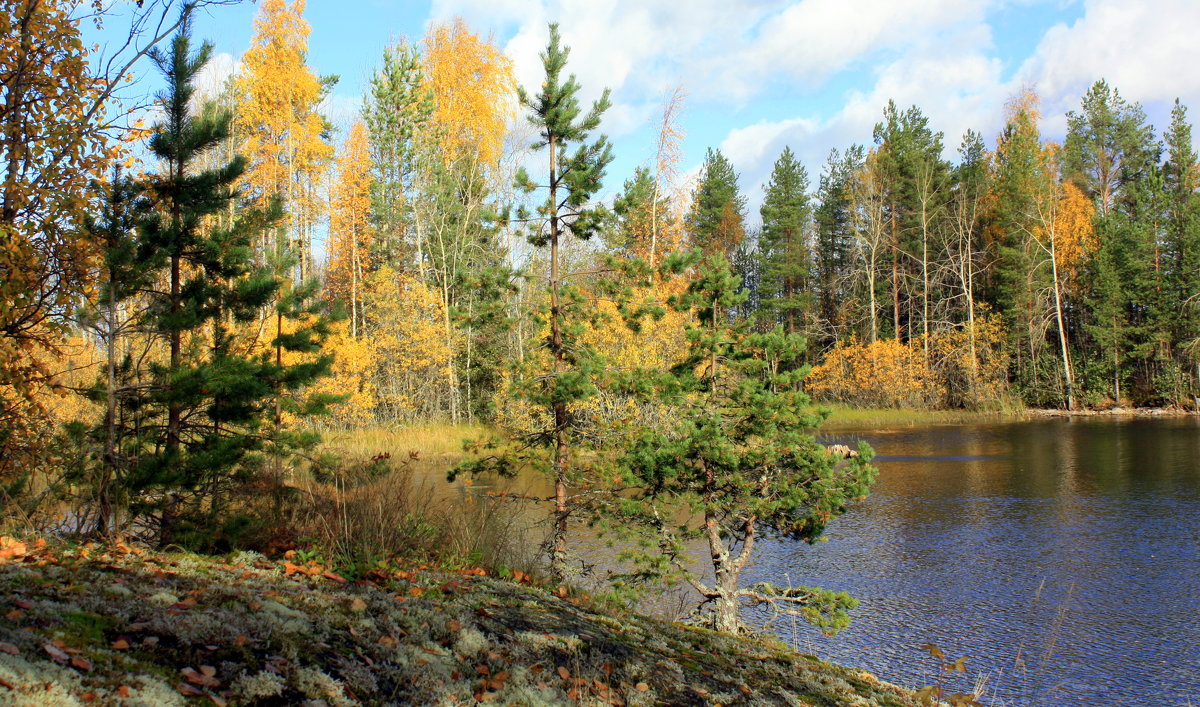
(885,373)
(1074,237)
(277,113)
(350,232)
(352,377)
(472,83)
(413,358)
(891,374)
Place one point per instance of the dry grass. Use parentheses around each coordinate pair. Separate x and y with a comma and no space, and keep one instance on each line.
(426,440)
(361,523)
(852,417)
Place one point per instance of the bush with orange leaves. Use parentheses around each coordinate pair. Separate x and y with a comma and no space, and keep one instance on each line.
(963,369)
(886,374)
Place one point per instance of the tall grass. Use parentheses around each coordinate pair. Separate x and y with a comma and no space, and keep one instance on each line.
(845,416)
(444,440)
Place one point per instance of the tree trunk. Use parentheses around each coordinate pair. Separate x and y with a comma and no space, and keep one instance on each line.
(558,553)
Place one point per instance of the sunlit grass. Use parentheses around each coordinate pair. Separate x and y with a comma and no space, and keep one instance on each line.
(845,416)
(426,440)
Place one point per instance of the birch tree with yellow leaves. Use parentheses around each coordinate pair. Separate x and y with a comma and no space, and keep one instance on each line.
(350,232)
(277,114)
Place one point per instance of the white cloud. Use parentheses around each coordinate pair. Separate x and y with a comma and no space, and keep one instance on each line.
(719,51)
(1147,50)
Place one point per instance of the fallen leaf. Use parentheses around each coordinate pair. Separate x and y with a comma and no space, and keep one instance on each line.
(241,640)
(22,603)
(123,691)
(454,626)
(81,664)
(120,645)
(56,653)
(358,604)
(188,691)
(564,673)
(14,615)
(9,649)
(88,697)
(642,687)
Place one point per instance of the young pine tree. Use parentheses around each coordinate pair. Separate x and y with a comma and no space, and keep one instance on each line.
(740,465)
(213,400)
(564,372)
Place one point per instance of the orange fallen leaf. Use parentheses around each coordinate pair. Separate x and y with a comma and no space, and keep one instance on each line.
(358,604)
(564,673)
(454,626)
(81,664)
(188,691)
(120,645)
(642,687)
(123,691)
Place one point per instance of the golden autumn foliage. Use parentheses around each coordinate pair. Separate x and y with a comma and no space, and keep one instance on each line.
(892,374)
(885,373)
(52,146)
(352,378)
(350,232)
(277,117)
(472,83)
(413,358)
(1075,238)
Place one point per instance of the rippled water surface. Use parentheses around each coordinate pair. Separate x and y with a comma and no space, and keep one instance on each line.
(1062,556)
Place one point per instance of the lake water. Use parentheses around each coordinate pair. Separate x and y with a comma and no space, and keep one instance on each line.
(1062,556)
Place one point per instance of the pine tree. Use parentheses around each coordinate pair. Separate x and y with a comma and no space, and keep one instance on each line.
(397,112)
(1181,244)
(555,383)
(716,220)
(740,465)
(783,244)
(216,399)
(835,234)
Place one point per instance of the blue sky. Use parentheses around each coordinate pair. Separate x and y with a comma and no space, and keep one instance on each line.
(762,74)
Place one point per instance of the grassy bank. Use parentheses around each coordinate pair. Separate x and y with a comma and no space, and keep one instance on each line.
(120,626)
(851,417)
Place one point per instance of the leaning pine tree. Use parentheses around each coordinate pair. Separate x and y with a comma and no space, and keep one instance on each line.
(213,397)
(565,371)
(740,464)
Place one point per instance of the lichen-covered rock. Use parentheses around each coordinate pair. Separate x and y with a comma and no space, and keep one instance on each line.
(239,631)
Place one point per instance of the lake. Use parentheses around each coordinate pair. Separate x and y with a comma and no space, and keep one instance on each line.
(1062,556)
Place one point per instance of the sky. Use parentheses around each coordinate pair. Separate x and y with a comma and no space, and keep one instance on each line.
(763,74)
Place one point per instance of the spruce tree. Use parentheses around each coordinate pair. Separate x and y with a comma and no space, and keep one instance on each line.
(740,465)
(783,244)
(213,401)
